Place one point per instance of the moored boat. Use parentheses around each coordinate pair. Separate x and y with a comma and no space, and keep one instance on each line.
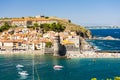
(23,73)
(19,65)
(58,67)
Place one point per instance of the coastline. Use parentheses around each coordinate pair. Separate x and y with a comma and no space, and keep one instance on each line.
(91,54)
(30,52)
(69,54)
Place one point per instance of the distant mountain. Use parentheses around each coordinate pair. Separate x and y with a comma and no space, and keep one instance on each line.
(102,27)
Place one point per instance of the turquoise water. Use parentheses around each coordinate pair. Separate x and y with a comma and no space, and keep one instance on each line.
(73,69)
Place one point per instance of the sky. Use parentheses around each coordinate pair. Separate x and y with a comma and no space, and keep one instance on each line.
(81,12)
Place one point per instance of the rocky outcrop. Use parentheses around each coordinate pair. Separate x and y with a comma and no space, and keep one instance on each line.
(85,45)
(105,38)
(109,38)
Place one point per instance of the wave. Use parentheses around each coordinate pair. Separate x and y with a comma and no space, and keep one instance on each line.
(106,44)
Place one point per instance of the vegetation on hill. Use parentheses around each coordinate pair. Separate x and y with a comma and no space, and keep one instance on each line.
(57,27)
(60,26)
(6,26)
(80,30)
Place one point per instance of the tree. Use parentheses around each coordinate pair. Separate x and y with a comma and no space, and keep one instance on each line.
(46,17)
(52,26)
(57,27)
(69,21)
(23,17)
(42,28)
(6,26)
(60,28)
(46,27)
(35,26)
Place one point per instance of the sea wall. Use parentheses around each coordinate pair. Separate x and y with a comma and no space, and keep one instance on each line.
(92,54)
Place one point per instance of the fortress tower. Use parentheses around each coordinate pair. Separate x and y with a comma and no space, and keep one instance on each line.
(57,45)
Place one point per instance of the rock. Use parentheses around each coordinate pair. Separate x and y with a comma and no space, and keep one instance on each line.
(109,38)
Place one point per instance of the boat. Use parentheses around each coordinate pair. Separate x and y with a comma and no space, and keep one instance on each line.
(19,65)
(23,73)
(57,67)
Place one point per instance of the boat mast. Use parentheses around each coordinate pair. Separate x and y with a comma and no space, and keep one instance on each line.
(33,66)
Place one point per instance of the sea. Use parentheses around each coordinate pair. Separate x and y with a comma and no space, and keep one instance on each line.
(35,67)
(106,45)
(41,68)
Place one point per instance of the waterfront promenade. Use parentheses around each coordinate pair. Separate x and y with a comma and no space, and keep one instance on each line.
(92,54)
(69,54)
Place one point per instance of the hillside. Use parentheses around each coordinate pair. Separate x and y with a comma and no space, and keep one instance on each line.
(73,27)
(30,21)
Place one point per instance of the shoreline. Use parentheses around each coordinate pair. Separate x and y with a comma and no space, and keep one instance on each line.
(38,52)
(91,54)
(69,54)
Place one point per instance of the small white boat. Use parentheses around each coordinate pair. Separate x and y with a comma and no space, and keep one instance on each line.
(58,67)
(23,73)
(19,65)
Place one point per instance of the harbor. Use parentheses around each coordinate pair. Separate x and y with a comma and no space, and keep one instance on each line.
(60,40)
